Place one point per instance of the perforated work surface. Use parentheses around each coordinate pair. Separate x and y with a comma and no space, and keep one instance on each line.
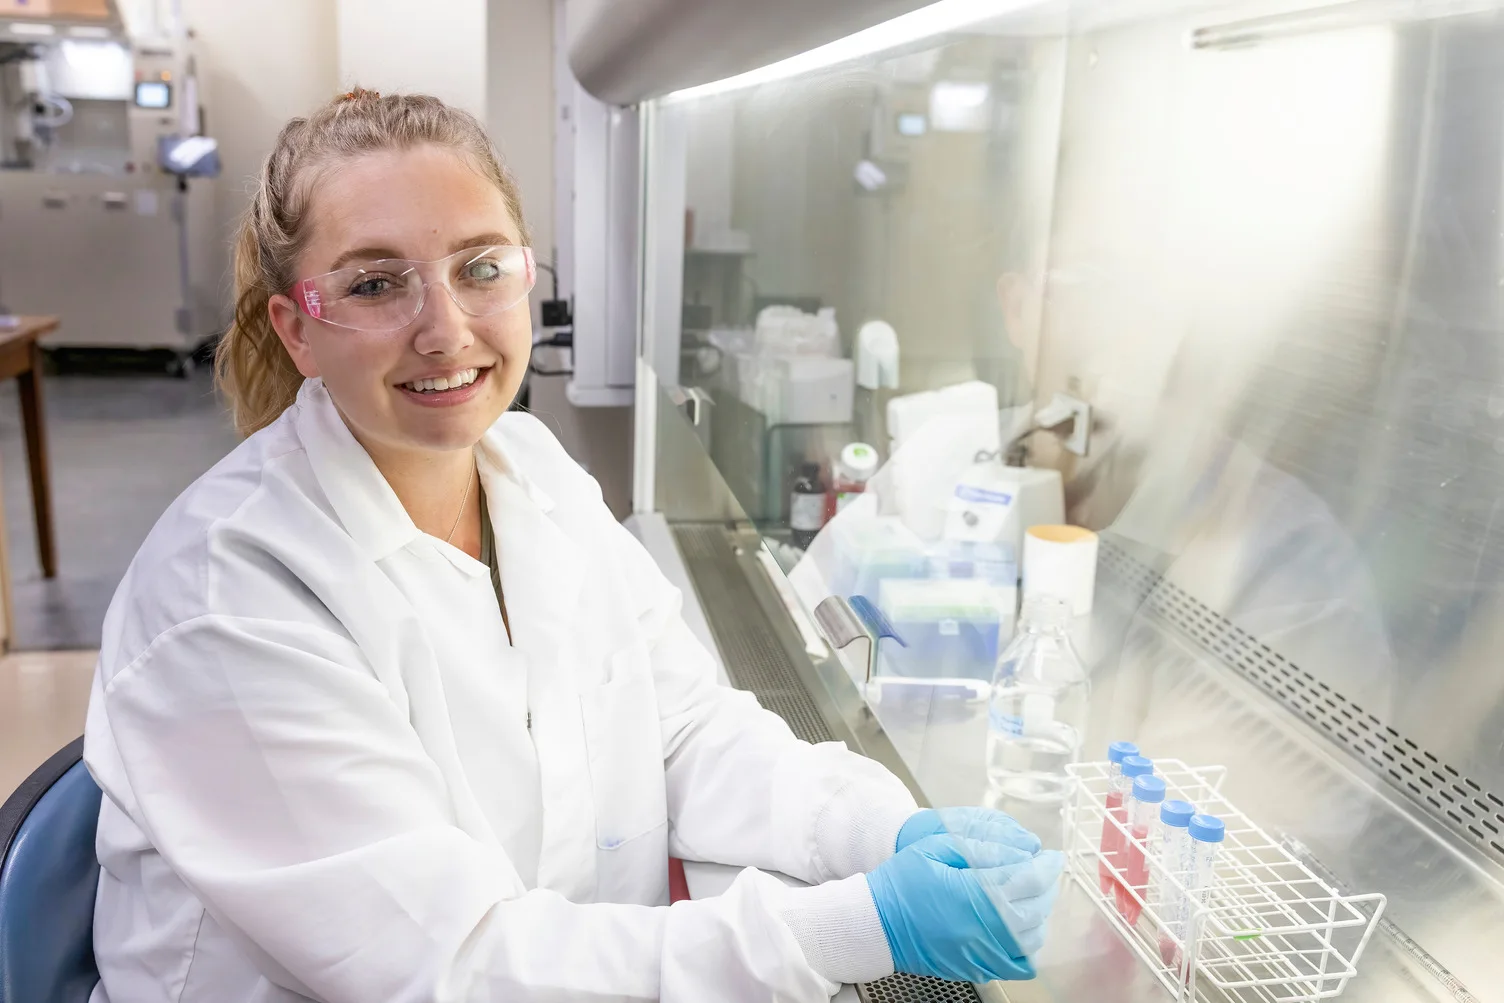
(1443,792)
(757,662)
(915,989)
(754,658)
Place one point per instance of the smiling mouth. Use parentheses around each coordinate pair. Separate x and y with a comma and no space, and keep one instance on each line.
(454,381)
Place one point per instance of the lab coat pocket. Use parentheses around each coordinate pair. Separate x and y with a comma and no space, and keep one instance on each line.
(626,752)
(626,776)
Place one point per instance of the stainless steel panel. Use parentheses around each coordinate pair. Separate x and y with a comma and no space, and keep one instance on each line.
(1281,288)
(128,291)
(624,51)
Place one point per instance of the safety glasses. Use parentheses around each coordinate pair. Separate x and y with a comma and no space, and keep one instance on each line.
(388,295)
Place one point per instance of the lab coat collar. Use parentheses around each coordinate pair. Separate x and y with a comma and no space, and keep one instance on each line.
(496,460)
(363,501)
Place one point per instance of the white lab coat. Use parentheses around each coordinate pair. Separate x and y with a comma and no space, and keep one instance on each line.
(320,780)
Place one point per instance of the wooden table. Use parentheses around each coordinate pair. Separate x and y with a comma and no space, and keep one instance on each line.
(21,358)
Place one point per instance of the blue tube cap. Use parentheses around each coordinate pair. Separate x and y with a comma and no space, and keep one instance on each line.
(1176,813)
(1207,829)
(1117,751)
(1148,788)
(1137,766)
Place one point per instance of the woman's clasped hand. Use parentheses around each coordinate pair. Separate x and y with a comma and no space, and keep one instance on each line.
(966,896)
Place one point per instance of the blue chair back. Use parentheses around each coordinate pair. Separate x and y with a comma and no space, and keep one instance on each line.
(48,874)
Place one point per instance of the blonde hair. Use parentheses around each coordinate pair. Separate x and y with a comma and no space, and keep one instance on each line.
(251,366)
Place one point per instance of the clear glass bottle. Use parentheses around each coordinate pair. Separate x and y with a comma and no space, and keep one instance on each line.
(1038,709)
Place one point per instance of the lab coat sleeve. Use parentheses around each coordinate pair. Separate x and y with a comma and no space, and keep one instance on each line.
(284,786)
(741,788)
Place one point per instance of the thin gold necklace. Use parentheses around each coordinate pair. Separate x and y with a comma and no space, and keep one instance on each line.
(463,502)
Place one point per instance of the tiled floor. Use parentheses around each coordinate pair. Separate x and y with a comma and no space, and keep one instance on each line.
(43,697)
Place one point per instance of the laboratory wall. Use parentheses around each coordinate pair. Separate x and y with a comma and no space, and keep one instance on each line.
(520,109)
(387,45)
(259,74)
(521,113)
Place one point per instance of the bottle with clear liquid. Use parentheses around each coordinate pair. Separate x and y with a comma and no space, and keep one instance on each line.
(1038,710)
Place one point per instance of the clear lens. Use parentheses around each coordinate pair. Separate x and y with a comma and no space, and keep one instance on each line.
(491,279)
(376,297)
(387,295)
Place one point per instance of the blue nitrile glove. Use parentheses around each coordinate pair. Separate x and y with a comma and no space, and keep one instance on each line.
(984,824)
(965,910)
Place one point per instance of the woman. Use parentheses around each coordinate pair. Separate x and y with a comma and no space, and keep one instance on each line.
(389,708)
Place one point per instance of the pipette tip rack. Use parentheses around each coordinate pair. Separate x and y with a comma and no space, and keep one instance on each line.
(1267,929)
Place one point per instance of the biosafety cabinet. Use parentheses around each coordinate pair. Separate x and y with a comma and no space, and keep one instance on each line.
(1220,282)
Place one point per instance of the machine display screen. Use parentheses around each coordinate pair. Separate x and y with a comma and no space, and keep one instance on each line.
(153,94)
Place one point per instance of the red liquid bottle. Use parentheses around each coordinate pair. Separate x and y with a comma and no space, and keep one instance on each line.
(1117,794)
(1143,824)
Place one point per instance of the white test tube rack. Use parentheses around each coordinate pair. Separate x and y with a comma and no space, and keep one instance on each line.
(1268,929)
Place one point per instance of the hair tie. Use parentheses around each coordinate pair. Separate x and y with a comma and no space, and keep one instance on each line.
(358,93)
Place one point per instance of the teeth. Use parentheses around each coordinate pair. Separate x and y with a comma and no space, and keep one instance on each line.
(463,378)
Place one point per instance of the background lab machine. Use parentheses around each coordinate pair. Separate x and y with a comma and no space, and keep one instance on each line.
(93,226)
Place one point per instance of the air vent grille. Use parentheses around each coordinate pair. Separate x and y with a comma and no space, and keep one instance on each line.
(1472,811)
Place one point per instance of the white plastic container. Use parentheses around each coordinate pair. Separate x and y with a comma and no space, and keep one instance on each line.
(797,389)
(852,471)
(1061,561)
(787,330)
(973,402)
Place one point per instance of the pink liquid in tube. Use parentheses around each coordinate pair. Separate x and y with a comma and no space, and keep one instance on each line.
(1143,814)
(1112,842)
(1136,866)
(1124,769)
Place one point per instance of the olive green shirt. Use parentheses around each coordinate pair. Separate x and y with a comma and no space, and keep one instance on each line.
(488,558)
